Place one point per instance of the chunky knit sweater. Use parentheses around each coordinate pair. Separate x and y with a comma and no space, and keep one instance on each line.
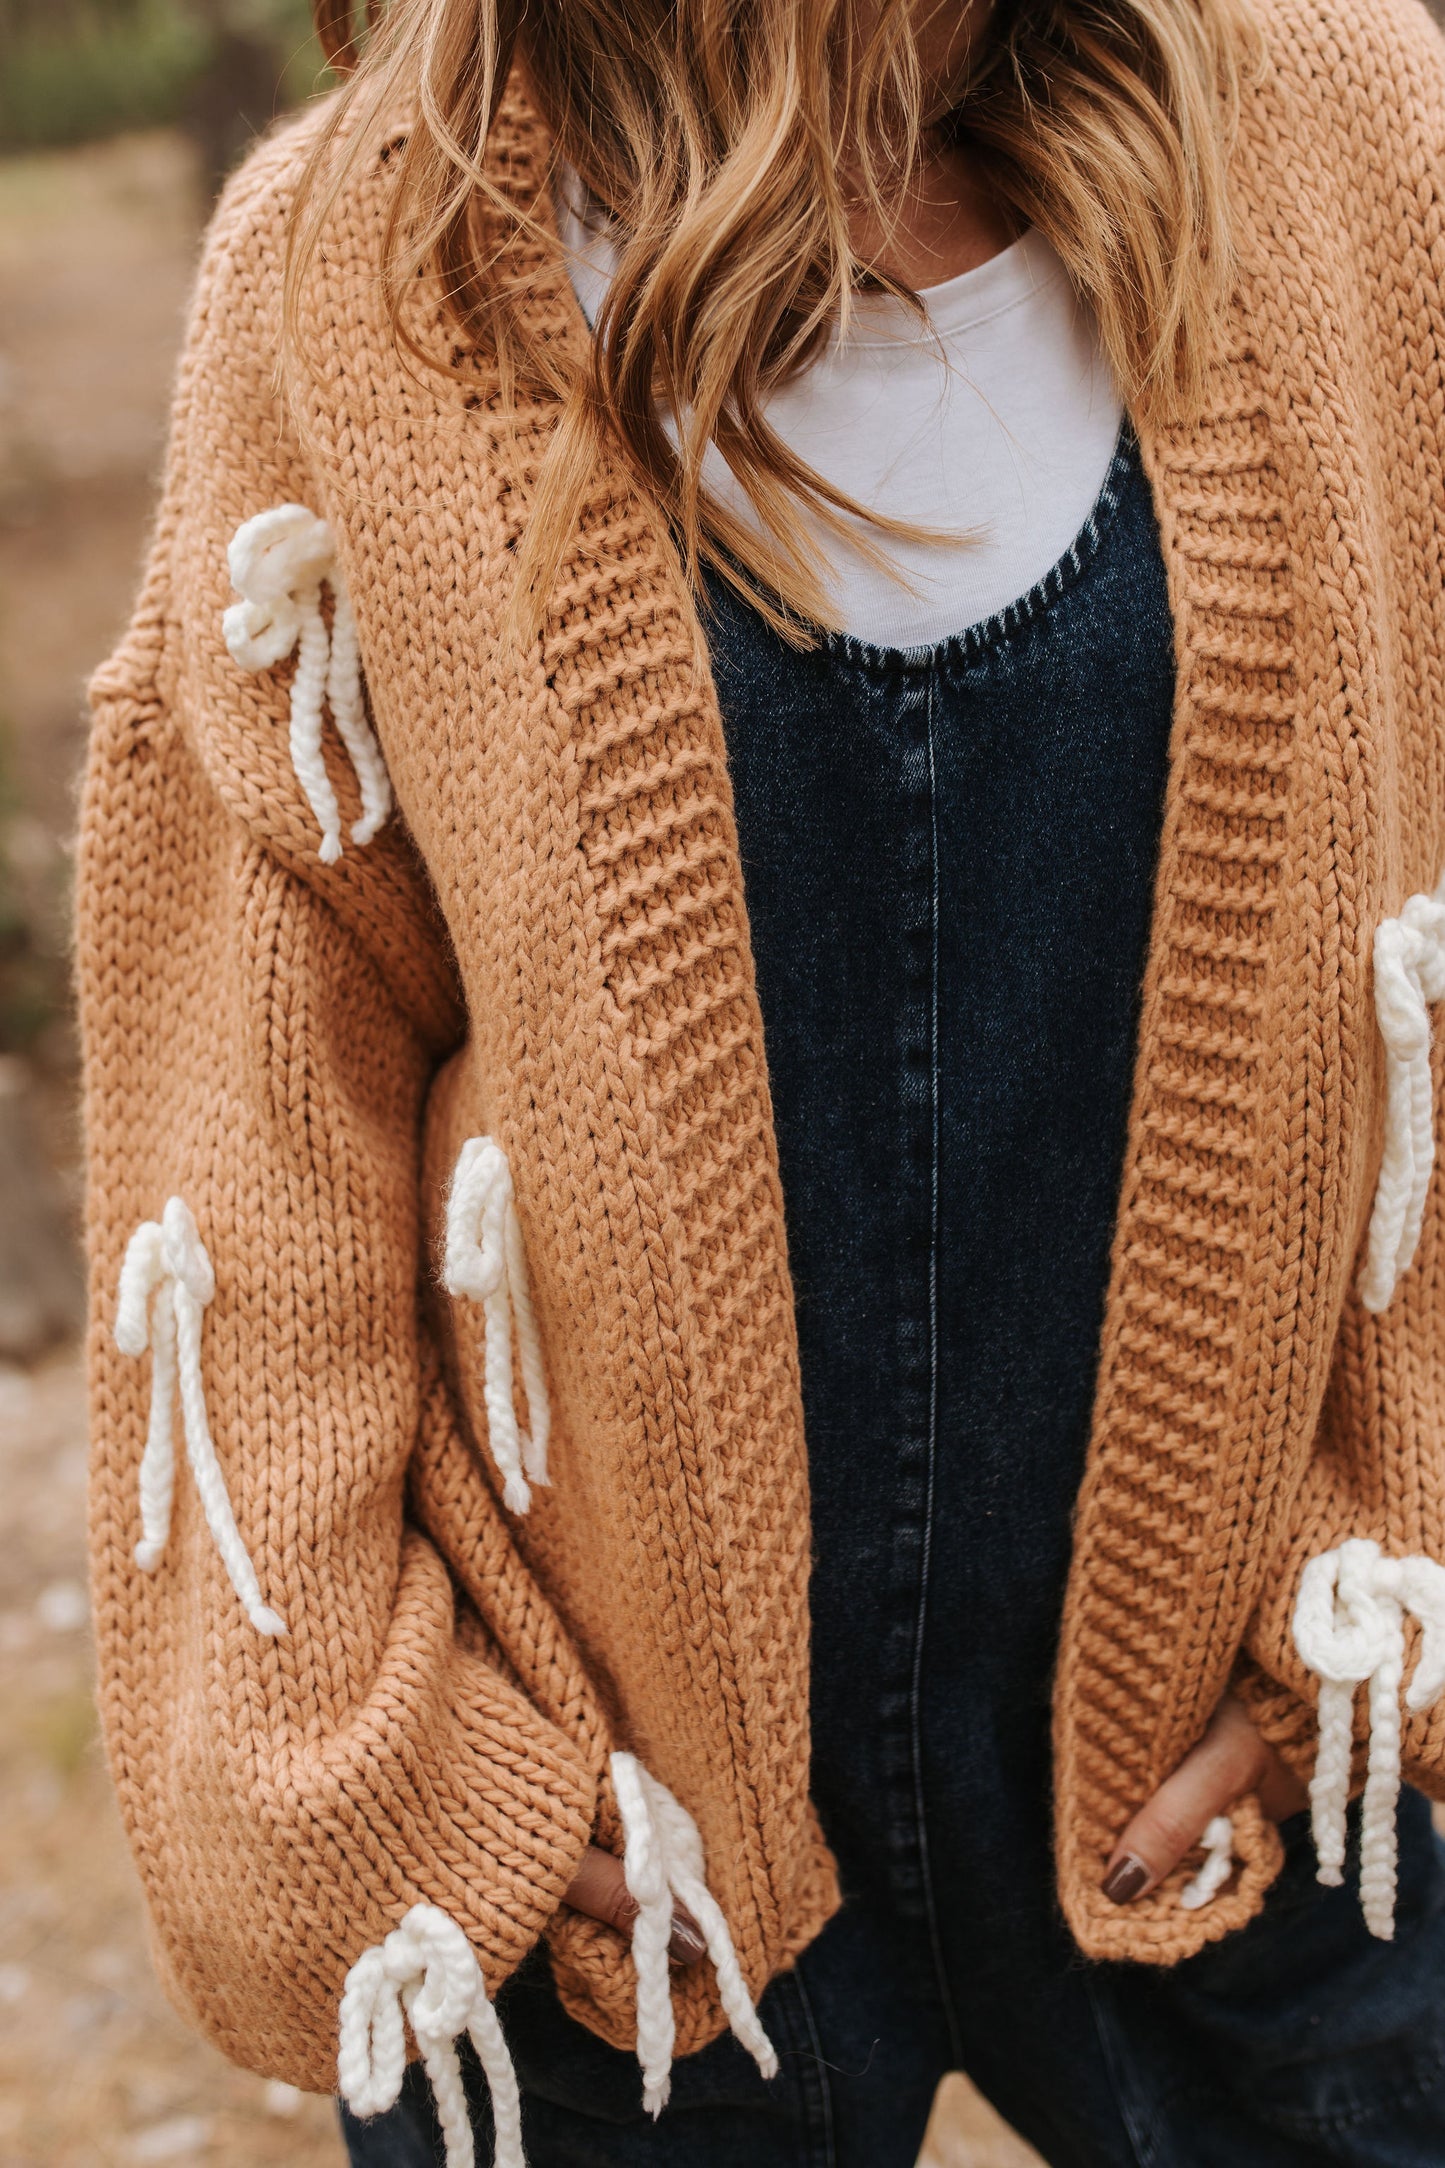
(427,1109)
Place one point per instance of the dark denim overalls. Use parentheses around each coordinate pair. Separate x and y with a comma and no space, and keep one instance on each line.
(948,856)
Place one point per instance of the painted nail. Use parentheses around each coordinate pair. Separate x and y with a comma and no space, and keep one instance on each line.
(686,1946)
(1125,1880)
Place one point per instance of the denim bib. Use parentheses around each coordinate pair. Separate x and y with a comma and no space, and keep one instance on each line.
(948,857)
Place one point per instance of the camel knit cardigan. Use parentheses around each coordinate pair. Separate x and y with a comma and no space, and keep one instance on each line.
(546,945)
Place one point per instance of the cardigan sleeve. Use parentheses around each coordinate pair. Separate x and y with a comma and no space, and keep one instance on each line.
(309,1728)
(1343,1665)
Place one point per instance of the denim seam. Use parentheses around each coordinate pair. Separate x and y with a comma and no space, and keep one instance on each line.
(915,1712)
(814,2083)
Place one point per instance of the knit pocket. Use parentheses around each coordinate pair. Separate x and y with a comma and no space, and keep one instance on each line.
(425,1976)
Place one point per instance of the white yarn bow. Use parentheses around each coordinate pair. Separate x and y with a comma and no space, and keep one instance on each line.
(278,561)
(1218,1842)
(1409,974)
(166,1282)
(485,1262)
(427,1969)
(1349,1627)
(662,1861)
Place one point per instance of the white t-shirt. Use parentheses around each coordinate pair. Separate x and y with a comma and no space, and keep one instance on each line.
(1009,435)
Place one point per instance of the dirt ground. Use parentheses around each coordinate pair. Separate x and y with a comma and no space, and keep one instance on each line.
(95,2070)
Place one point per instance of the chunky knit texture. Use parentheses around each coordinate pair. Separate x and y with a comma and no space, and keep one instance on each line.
(546,945)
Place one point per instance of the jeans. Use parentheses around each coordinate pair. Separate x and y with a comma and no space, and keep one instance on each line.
(1299,2042)
(948,856)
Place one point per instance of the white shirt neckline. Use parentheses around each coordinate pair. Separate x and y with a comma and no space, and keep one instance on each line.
(963,303)
(997,421)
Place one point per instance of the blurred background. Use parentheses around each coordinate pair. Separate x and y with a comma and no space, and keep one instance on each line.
(118,118)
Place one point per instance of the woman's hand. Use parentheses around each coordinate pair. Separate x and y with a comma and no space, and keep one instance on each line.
(600,1890)
(1230,1759)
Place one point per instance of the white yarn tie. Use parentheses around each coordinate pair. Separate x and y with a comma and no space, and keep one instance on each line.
(663,1863)
(485,1262)
(1218,1842)
(1409,974)
(427,1971)
(1349,1627)
(166,1282)
(278,561)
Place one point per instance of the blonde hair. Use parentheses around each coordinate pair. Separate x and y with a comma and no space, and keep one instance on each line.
(714,132)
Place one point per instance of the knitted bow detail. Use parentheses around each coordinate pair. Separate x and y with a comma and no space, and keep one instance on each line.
(166,1282)
(278,561)
(427,1969)
(662,1860)
(485,1262)
(1409,973)
(1349,1627)
(1218,1843)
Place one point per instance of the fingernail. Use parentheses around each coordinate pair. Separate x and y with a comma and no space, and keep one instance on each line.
(687,1946)
(1125,1880)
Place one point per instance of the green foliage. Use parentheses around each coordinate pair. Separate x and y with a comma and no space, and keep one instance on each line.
(85,74)
(77,69)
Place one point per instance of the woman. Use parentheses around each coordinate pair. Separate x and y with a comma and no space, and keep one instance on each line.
(908,538)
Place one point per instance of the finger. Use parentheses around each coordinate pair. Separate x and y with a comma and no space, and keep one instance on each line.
(1228,1761)
(599,1888)
(1281,1792)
